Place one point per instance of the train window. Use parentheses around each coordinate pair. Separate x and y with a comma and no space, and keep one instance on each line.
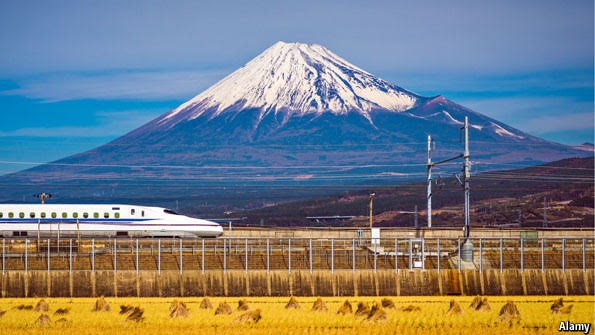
(54,215)
(75,215)
(85,215)
(96,215)
(132,211)
(1,215)
(142,213)
(21,215)
(32,215)
(10,214)
(106,215)
(43,214)
(115,208)
(64,215)
(117,215)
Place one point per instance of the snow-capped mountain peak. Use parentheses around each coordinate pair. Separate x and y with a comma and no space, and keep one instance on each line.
(297,78)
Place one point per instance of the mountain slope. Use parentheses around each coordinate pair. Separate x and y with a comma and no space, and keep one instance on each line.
(297,114)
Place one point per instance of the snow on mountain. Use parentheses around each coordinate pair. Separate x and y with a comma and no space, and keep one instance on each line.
(503,132)
(586,147)
(304,93)
(297,78)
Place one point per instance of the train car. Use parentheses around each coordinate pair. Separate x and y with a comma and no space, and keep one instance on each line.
(101,220)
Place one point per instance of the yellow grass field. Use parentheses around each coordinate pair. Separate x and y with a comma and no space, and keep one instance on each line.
(432,318)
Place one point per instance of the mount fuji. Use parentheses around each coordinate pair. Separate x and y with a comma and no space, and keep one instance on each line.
(293,83)
(296,115)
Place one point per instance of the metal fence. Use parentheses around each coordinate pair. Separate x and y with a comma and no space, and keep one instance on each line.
(292,254)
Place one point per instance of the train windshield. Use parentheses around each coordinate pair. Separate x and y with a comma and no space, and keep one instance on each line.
(169,211)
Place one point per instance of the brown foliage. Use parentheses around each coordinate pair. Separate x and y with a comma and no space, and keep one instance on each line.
(345,308)
(509,308)
(42,306)
(508,312)
(206,304)
(362,309)
(101,305)
(565,309)
(223,309)
(558,307)
(62,311)
(376,314)
(319,306)
(178,309)
(136,315)
(243,305)
(480,304)
(387,303)
(455,308)
(411,308)
(292,304)
(250,316)
(24,307)
(483,306)
(124,309)
(43,320)
(476,302)
(63,321)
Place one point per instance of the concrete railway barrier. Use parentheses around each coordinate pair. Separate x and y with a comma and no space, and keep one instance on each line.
(299,283)
(296,266)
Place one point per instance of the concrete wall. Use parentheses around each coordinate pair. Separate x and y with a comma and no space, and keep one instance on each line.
(452,233)
(299,283)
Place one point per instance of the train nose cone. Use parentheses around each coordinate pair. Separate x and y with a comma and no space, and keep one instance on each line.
(219,230)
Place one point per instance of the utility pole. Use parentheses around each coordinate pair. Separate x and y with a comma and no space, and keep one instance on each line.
(230,232)
(467,251)
(372,195)
(467,254)
(544,212)
(467,174)
(429,193)
(415,220)
(42,196)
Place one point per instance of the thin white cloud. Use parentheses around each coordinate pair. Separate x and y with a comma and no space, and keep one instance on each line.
(60,131)
(561,122)
(148,85)
(109,124)
(511,84)
(524,108)
(545,117)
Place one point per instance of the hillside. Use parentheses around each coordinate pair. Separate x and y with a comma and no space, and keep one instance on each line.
(499,198)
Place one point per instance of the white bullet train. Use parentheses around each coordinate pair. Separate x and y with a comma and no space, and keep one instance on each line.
(100,220)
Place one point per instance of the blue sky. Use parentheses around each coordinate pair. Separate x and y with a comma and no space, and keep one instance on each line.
(76,74)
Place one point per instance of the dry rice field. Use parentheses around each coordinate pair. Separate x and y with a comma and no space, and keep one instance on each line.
(400,315)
